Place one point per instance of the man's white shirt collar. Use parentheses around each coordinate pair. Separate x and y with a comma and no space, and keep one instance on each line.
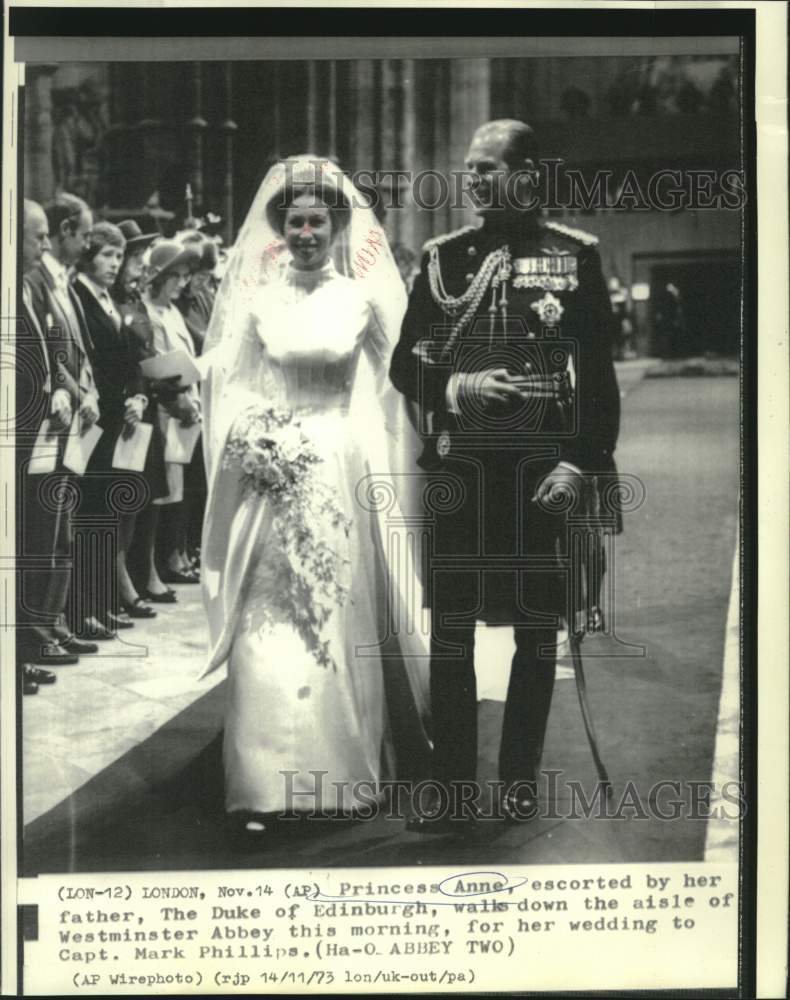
(57,271)
(100,293)
(102,296)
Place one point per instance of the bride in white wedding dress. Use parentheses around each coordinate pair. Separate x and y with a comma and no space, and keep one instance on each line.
(327,691)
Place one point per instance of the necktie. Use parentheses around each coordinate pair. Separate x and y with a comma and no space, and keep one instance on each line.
(109,308)
(62,291)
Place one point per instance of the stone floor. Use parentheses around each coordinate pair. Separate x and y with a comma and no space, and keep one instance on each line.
(111,701)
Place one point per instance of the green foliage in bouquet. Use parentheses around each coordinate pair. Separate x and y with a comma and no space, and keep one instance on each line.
(278,462)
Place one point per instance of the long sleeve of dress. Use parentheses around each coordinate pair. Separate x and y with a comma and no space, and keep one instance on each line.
(395,409)
(377,349)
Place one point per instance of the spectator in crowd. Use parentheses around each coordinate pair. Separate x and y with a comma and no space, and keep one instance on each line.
(59,313)
(195,303)
(197,298)
(669,322)
(37,599)
(122,404)
(623,323)
(134,317)
(170,265)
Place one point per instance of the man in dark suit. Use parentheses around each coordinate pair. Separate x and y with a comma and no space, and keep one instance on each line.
(34,405)
(59,314)
(122,405)
(506,347)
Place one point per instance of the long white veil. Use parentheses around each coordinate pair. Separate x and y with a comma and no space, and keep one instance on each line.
(236,375)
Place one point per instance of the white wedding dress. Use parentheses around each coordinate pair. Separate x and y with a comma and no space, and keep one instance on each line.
(300,735)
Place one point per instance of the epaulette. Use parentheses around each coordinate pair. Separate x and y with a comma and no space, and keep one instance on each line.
(586,239)
(437,241)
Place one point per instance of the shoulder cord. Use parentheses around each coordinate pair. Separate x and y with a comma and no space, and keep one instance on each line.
(452,304)
(466,304)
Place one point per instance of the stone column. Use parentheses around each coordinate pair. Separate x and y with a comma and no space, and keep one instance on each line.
(441,149)
(148,129)
(39,175)
(470,107)
(426,146)
(332,149)
(410,158)
(197,126)
(229,128)
(276,121)
(389,114)
(389,140)
(121,156)
(363,139)
(312,107)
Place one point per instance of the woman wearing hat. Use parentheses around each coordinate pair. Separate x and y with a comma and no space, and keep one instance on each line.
(298,600)
(127,296)
(195,303)
(169,267)
(122,403)
(197,299)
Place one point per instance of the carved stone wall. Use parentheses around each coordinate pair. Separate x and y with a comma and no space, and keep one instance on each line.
(66,122)
(128,135)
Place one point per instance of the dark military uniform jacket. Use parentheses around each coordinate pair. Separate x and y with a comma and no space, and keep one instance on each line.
(534,302)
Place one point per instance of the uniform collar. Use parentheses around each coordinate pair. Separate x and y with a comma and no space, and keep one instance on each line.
(518,231)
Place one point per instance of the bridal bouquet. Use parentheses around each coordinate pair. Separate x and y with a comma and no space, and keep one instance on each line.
(278,461)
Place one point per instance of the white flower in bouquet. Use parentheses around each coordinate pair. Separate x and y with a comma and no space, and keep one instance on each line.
(250,464)
(292,444)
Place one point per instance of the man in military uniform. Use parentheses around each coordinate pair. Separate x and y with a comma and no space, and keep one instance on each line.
(506,347)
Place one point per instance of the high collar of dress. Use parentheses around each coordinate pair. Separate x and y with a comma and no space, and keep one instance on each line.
(311,279)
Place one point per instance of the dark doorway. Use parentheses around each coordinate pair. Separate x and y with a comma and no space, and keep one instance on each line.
(696,306)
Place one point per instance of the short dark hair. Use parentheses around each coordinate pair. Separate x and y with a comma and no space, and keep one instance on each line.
(64,207)
(103,234)
(522,143)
